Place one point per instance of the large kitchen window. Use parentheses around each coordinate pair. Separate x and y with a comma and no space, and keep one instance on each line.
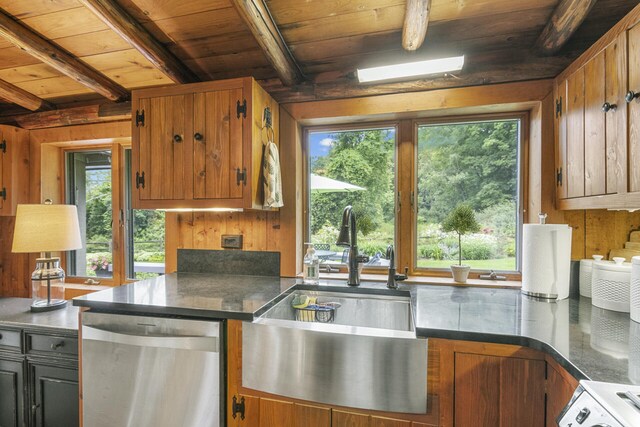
(119,243)
(352,167)
(473,163)
(444,163)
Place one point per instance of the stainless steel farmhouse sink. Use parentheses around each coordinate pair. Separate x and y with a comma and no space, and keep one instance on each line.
(363,354)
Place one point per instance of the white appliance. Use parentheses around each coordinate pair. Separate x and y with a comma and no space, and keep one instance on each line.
(546,260)
(597,404)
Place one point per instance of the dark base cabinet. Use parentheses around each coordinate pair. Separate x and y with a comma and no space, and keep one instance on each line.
(38,378)
(11,391)
(53,395)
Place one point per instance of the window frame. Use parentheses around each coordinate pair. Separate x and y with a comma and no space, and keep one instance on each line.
(339,127)
(406,184)
(117,150)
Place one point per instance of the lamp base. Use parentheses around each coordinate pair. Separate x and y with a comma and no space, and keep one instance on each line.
(42,305)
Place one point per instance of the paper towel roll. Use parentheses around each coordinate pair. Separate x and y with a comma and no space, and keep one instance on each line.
(546,260)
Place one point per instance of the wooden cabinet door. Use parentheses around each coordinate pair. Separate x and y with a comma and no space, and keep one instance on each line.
(388,422)
(559,392)
(160,152)
(276,413)
(312,416)
(634,108)
(595,156)
(561,138)
(616,118)
(575,135)
(54,396)
(498,391)
(349,419)
(11,393)
(217,145)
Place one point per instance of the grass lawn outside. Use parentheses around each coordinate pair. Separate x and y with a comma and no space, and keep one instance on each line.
(503,264)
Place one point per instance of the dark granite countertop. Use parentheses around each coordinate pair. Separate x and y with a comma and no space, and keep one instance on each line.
(16,312)
(589,342)
(209,296)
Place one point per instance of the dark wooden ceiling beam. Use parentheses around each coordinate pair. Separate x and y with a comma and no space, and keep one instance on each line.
(21,97)
(565,20)
(99,113)
(257,17)
(36,46)
(416,20)
(120,21)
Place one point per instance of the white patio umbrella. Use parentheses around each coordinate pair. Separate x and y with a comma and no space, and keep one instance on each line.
(322,184)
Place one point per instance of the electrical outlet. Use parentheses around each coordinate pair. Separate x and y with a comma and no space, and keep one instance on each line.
(231,241)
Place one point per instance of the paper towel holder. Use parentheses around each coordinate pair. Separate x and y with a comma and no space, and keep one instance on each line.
(542,217)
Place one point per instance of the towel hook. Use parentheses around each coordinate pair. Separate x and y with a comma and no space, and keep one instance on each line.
(267,122)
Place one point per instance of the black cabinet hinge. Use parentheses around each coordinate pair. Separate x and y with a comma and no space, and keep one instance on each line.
(139,118)
(139,180)
(3,193)
(242,108)
(237,407)
(558,107)
(3,146)
(559,177)
(241,176)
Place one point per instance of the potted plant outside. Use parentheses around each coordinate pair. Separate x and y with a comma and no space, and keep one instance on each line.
(461,220)
(99,264)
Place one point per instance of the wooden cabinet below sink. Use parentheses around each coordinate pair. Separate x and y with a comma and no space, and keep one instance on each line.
(469,384)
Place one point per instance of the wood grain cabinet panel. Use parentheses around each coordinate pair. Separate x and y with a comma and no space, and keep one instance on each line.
(498,391)
(200,145)
(595,179)
(575,135)
(312,416)
(276,413)
(616,118)
(634,108)
(349,419)
(560,122)
(388,422)
(14,169)
(560,388)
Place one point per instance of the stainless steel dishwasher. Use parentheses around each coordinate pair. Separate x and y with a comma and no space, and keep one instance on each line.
(151,372)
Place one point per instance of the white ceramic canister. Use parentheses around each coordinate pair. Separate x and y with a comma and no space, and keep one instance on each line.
(610,285)
(586,266)
(635,289)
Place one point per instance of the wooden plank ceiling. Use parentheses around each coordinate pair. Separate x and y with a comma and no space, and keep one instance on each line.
(328,39)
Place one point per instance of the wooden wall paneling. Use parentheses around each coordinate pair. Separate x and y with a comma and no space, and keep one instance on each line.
(594,127)
(634,109)
(616,120)
(98,133)
(607,230)
(575,135)
(14,268)
(576,220)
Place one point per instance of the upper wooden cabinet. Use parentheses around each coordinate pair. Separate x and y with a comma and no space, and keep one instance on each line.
(200,145)
(14,169)
(597,116)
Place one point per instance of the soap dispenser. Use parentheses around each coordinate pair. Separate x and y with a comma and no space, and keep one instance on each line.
(311,269)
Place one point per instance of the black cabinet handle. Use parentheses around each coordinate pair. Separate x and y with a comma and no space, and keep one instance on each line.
(606,107)
(177,138)
(630,96)
(56,346)
(198,136)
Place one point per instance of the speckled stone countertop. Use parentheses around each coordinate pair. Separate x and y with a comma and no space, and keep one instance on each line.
(16,312)
(588,341)
(192,294)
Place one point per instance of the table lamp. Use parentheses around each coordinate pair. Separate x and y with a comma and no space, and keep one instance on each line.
(46,228)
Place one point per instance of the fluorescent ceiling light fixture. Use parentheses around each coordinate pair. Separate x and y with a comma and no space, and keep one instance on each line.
(411,69)
(202,210)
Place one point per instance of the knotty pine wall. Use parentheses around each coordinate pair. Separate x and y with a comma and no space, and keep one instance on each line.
(595,231)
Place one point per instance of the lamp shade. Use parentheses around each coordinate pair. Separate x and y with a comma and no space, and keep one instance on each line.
(46,228)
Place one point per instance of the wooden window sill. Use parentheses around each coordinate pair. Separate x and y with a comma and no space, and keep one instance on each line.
(429,280)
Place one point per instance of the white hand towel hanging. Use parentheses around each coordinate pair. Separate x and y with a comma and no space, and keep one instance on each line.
(272,176)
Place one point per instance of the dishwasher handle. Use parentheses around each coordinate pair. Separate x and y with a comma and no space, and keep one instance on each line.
(198,343)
